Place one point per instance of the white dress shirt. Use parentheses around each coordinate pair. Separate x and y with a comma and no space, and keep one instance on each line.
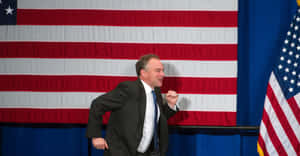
(149,119)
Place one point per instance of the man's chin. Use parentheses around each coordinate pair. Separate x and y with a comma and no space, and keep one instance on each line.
(159,84)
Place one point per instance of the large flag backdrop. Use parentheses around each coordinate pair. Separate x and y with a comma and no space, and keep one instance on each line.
(280,128)
(57,55)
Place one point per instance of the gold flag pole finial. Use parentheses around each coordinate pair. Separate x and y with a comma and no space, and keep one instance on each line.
(298,2)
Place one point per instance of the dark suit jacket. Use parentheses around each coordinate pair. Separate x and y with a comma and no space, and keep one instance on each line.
(127,103)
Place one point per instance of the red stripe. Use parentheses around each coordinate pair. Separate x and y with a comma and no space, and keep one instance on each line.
(127,18)
(282,118)
(23,115)
(117,50)
(273,135)
(295,108)
(203,118)
(76,83)
(262,145)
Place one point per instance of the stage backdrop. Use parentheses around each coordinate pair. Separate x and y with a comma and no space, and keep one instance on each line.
(57,56)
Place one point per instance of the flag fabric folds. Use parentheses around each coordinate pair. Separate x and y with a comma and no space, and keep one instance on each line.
(58,55)
(279,129)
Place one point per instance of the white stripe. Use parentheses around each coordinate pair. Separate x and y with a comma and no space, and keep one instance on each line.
(114,67)
(268,143)
(282,136)
(119,34)
(205,102)
(285,106)
(188,102)
(297,99)
(131,5)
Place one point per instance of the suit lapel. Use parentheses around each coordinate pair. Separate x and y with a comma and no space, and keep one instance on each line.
(158,99)
(142,101)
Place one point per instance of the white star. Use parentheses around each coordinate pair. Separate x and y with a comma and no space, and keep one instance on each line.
(291,25)
(297,19)
(287,41)
(292,44)
(289,33)
(295,64)
(289,61)
(298,47)
(287,70)
(284,50)
(280,66)
(298,84)
(291,89)
(297,56)
(292,81)
(9,10)
(281,58)
(294,72)
(299,76)
(291,53)
(294,36)
(296,27)
(285,78)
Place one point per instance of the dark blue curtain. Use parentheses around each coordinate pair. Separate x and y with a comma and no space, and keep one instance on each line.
(262,27)
(19,141)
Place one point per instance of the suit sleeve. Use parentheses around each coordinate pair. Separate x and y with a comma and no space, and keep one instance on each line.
(110,101)
(168,112)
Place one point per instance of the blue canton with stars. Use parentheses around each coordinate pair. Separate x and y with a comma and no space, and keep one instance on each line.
(8,15)
(287,70)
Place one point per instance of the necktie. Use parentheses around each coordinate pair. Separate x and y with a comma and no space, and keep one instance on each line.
(155,137)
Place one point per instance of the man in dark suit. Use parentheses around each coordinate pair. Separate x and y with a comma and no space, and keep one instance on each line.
(134,106)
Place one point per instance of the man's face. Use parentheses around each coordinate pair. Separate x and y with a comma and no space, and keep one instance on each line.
(153,74)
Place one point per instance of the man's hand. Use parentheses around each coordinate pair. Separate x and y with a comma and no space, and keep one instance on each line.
(171,98)
(99,143)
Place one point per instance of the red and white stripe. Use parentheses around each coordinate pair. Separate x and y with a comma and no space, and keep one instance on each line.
(279,132)
(64,53)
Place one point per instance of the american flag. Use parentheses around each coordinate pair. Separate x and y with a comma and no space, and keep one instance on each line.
(56,56)
(280,129)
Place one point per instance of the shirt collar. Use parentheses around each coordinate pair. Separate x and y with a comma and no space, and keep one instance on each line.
(148,89)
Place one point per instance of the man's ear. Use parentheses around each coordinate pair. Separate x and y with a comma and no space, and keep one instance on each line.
(142,72)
